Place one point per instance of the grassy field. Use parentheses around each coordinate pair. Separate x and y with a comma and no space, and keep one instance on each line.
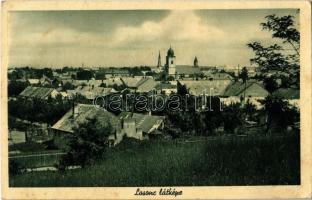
(235,161)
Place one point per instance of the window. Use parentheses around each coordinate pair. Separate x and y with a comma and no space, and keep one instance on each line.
(171,61)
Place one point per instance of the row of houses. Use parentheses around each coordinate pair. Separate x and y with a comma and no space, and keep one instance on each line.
(144,126)
(126,124)
(228,90)
(234,91)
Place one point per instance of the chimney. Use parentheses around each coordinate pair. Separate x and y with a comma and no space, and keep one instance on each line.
(73,108)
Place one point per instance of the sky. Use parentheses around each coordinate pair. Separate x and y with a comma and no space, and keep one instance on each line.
(135,37)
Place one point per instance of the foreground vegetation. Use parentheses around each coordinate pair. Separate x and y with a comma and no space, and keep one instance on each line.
(265,160)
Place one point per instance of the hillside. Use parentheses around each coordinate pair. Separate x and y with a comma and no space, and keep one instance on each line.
(262,161)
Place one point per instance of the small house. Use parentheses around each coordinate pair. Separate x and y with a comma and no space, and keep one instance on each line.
(251,90)
(79,114)
(39,92)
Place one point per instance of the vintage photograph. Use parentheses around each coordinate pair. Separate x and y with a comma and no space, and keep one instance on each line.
(165,98)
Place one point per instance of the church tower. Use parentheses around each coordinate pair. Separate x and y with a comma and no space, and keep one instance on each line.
(195,62)
(159,61)
(170,62)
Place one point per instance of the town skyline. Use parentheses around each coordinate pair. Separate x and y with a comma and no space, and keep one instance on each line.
(134,38)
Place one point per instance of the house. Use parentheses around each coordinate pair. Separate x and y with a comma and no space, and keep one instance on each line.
(292,95)
(79,114)
(64,95)
(113,72)
(166,88)
(45,81)
(140,84)
(16,137)
(252,90)
(207,87)
(39,92)
(146,125)
(217,76)
(109,82)
(92,92)
(131,82)
(146,85)
(34,81)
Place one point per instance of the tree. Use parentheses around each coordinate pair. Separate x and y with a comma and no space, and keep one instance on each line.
(84,74)
(283,28)
(244,76)
(250,110)
(170,78)
(68,86)
(87,143)
(270,84)
(100,75)
(16,87)
(273,57)
(279,113)
(232,117)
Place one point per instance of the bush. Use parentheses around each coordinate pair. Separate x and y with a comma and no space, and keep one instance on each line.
(86,144)
(15,168)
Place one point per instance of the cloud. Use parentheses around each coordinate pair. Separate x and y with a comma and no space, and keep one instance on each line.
(178,26)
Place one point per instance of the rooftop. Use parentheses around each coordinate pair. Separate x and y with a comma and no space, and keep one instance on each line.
(237,89)
(209,87)
(82,113)
(147,123)
(187,69)
(37,92)
(287,93)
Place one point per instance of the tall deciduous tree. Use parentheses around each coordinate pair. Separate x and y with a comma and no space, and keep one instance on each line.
(87,143)
(244,76)
(281,58)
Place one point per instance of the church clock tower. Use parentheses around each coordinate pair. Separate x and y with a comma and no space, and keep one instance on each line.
(170,62)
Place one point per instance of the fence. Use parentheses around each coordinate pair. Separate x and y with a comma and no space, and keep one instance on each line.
(36,160)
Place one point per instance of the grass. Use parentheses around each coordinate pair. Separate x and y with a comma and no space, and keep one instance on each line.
(220,162)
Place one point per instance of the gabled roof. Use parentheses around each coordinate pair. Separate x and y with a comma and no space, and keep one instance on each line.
(141,84)
(95,83)
(147,123)
(115,71)
(146,85)
(218,75)
(82,113)
(33,81)
(237,89)
(92,92)
(162,86)
(287,93)
(187,69)
(131,81)
(37,92)
(209,87)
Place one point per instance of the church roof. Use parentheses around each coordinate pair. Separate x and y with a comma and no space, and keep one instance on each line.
(170,52)
(187,69)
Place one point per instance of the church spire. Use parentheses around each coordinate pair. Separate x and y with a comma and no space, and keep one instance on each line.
(159,60)
(195,62)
